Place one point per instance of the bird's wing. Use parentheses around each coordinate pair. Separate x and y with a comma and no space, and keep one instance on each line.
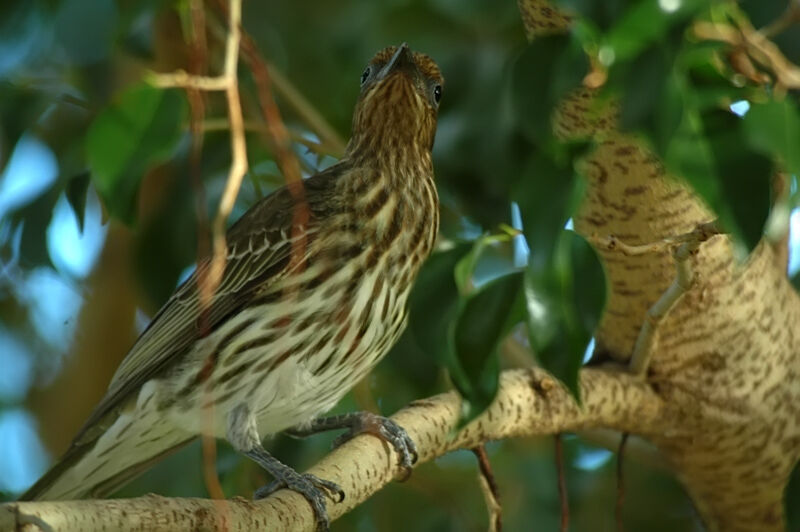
(259,249)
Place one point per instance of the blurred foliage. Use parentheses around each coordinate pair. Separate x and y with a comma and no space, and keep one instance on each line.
(73,75)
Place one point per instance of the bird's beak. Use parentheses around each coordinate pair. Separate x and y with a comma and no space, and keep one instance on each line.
(402,60)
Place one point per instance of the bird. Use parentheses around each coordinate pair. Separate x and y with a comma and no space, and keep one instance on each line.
(306,307)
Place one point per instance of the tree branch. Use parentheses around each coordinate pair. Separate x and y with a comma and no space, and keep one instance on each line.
(529,402)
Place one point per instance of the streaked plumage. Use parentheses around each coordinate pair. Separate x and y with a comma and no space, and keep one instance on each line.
(286,339)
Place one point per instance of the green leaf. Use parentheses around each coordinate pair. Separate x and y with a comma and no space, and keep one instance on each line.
(652,99)
(35,217)
(773,128)
(743,175)
(644,23)
(135,132)
(433,302)
(483,319)
(564,304)
(547,193)
(466,268)
(711,153)
(75,191)
(543,73)
(689,155)
(603,14)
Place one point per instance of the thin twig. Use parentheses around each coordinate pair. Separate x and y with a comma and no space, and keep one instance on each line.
(221,124)
(562,483)
(198,60)
(789,17)
(489,488)
(620,482)
(612,243)
(198,57)
(757,45)
(282,146)
(645,342)
(183,80)
(333,142)
(238,147)
(308,113)
(294,99)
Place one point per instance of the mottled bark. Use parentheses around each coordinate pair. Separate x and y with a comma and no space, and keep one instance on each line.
(529,402)
(726,357)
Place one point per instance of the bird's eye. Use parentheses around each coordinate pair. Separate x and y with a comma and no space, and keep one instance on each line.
(437,93)
(365,75)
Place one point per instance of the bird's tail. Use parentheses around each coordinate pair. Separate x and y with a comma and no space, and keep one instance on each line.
(101,465)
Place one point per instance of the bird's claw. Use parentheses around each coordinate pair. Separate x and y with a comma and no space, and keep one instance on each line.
(388,431)
(313,488)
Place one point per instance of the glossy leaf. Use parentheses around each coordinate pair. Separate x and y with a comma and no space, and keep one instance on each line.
(138,130)
(773,128)
(561,61)
(743,175)
(465,270)
(434,301)
(483,319)
(547,195)
(564,305)
(646,22)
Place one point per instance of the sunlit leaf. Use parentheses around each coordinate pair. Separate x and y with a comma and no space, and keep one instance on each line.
(138,130)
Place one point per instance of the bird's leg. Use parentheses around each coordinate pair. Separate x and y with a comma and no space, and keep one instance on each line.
(243,435)
(365,423)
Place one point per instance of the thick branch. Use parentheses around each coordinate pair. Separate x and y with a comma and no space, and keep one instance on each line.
(529,402)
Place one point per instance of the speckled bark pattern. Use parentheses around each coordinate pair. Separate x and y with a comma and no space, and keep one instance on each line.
(529,402)
(727,356)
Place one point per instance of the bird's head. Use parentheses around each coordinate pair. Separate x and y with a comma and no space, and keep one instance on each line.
(399,100)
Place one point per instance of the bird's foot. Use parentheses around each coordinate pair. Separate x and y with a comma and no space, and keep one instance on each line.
(387,430)
(313,488)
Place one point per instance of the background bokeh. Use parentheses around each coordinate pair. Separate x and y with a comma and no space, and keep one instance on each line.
(76,286)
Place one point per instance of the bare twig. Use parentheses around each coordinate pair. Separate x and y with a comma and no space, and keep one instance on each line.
(198,60)
(757,46)
(281,144)
(329,138)
(620,483)
(643,348)
(238,147)
(198,57)
(220,124)
(229,82)
(688,244)
(612,243)
(562,483)
(183,80)
(789,17)
(308,113)
(489,488)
